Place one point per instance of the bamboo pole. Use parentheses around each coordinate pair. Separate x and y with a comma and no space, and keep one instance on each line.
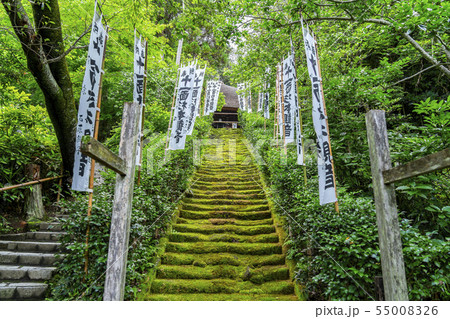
(91,177)
(171,115)
(143,116)
(336,205)
(40,181)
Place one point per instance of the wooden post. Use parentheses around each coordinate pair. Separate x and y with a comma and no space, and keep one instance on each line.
(171,115)
(336,204)
(33,196)
(91,176)
(143,115)
(122,206)
(392,265)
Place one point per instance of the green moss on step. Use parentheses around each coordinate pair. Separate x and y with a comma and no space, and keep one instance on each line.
(222,259)
(189,214)
(207,247)
(216,229)
(231,238)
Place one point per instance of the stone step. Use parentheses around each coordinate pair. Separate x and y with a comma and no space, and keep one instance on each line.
(230,238)
(230,195)
(241,248)
(190,214)
(201,260)
(229,286)
(28,259)
(232,176)
(226,190)
(228,169)
(220,297)
(13,272)
(223,202)
(30,246)
(226,208)
(227,184)
(225,221)
(231,229)
(52,226)
(34,236)
(22,290)
(254,275)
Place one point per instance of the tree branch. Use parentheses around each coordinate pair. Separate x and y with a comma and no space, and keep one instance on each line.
(73,47)
(418,73)
(413,42)
(342,2)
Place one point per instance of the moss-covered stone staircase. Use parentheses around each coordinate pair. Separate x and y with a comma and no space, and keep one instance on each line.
(224,244)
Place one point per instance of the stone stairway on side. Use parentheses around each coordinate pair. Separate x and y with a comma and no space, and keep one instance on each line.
(224,244)
(26,261)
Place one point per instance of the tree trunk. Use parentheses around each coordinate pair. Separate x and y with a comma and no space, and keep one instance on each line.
(40,43)
(33,196)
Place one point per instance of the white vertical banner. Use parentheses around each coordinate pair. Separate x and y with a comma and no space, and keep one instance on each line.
(207,98)
(87,108)
(249,99)
(215,95)
(179,49)
(289,98)
(280,109)
(266,99)
(138,90)
(195,102)
(183,100)
(260,101)
(241,96)
(199,74)
(327,187)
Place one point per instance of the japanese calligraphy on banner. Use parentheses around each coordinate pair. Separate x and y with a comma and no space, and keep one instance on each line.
(327,187)
(183,101)
(266,106)
(211,100)
(249,99)
(207,98)
(289,98)
(260,101)
(195,102)
(138,91)
(215,95)
(280,116)
(241,96)
(87,109)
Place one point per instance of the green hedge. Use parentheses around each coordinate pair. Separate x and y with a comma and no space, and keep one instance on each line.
(153,204)
(337,255)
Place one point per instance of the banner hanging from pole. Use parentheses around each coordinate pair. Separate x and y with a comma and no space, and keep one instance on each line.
(241,96)
(249,99)
(289,98)
(179,49)
(88,106)
(138,91)
(214,97)
(327,187)
(183,100)
(195,103)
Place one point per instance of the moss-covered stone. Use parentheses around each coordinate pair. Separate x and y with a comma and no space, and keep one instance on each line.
(223,244)
(188,214)
(224,237)
(219,229)
(219,247)
(222,259)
